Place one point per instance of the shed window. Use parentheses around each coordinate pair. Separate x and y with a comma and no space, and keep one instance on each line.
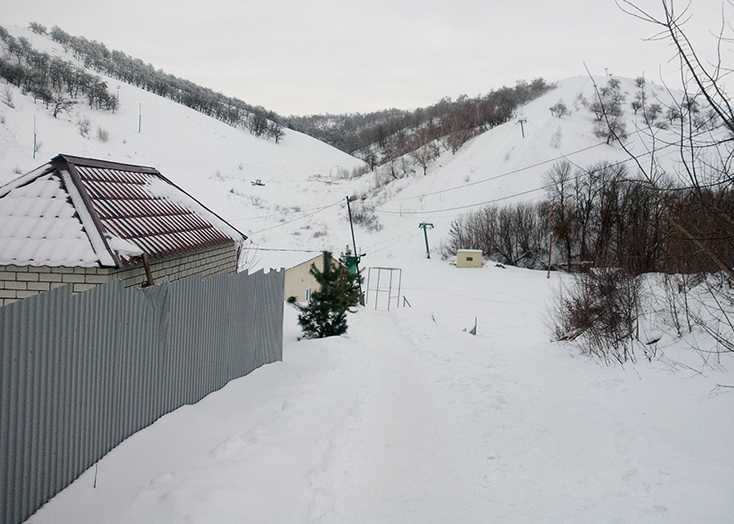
(469,259)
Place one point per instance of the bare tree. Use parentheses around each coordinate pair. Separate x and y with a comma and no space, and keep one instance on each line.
(37,28)
(559,109)
(59,103)
(703,219)
(607,109)
(423,156)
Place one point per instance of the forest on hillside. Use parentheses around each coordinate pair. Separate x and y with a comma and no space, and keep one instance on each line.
(54,81)
(59,83)
(381,137)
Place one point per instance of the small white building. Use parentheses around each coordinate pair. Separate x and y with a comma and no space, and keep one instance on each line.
(469,258)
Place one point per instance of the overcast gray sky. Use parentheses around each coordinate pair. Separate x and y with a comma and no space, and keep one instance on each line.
(337,56)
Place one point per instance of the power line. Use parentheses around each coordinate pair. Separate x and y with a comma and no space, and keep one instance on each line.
(442,211)
(292,250)
(513,172)
(532,166)
(274,215)
(299,218)
(445,210)
(582,171)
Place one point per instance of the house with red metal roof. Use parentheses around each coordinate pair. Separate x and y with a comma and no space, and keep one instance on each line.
(84,222)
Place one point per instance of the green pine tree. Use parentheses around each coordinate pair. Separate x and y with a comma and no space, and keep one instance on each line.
(326,314)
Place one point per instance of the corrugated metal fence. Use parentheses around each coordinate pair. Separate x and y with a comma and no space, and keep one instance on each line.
(80,373)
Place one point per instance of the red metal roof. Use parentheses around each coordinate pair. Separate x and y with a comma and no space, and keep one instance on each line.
(123,202)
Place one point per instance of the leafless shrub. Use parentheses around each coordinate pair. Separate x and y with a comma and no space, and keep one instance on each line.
(608,112)
(382,177)
(704,303)
(37,28)
(102,135)
(6,95)
(559,109)
(598,314)
(359,171)
(84,126)
(364,215)
(516,235)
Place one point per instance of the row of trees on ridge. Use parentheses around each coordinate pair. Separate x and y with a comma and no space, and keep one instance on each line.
(54,81)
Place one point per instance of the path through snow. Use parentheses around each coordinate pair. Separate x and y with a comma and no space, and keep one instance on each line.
(409,419)
(409,450)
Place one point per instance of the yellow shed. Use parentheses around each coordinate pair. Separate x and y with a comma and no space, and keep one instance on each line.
(469,258)
(299,282)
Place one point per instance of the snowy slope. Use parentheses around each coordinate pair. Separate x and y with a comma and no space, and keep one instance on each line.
(207,158)
(408,418)
(501,166)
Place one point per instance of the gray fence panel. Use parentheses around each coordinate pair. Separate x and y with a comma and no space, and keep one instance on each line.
(79,374)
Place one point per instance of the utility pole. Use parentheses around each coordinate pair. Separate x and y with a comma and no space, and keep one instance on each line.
(425,227)
(356,256)
(522,128)
(550,242)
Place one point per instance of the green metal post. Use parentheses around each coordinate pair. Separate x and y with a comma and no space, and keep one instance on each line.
(425,227)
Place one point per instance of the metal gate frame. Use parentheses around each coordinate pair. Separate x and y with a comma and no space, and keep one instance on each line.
(377,290)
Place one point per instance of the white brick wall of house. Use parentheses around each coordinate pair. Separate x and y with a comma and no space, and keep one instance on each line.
(18,282)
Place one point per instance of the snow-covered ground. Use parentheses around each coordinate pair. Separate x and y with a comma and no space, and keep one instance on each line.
(408,418)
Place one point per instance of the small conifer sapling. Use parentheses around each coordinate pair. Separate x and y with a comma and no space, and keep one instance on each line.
(326,314)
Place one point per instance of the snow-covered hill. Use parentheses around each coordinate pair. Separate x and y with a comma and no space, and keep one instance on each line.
(211,160)
(408,418)
(507,164)
(302,202)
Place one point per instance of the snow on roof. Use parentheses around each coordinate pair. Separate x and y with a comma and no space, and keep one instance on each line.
(266,259)
(89,213)
(39,226)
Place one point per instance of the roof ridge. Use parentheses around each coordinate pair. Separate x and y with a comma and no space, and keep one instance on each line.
(106,164)
(96,238)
